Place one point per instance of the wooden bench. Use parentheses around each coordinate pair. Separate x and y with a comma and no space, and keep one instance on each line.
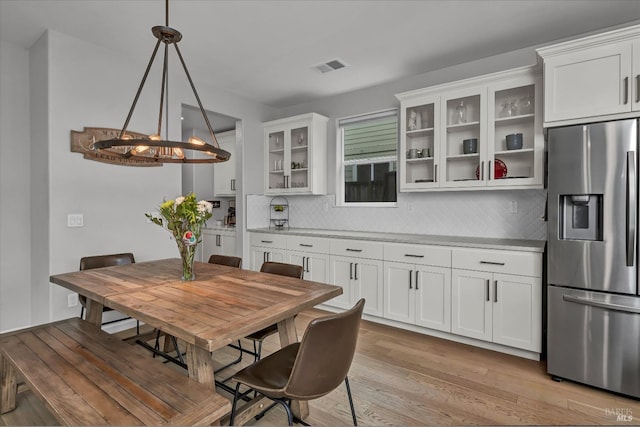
(88,377)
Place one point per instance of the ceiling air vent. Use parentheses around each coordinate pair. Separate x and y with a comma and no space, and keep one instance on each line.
(329,66)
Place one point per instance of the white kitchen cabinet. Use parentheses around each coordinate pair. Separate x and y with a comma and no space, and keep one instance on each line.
(266,247)
(312,253)
(592,77)
(435,122)
(224,174)
(295,153)
(356,266)
(417,285)
(217,242)
(492,305)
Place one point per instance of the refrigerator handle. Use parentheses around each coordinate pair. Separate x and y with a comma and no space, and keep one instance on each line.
(631,208)
(608,306)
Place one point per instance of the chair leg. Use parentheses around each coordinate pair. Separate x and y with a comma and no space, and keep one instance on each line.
(353,410)
(232,417)
(82,312)
(287,410)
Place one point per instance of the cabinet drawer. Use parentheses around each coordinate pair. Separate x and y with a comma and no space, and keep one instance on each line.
(268,240)
(519,263)
(308,244)
(418,254)
(357,248)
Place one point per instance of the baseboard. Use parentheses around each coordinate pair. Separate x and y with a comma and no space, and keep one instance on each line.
(120,326)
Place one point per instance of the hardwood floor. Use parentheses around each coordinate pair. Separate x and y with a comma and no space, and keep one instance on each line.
(404,378)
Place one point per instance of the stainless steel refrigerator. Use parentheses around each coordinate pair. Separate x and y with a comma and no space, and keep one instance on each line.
(593,311)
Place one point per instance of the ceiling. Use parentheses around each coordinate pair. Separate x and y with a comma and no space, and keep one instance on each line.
(264,50)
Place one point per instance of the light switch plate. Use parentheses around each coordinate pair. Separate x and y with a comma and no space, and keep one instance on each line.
(75,220)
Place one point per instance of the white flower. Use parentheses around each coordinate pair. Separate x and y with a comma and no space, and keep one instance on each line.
(179,200)
(204,207)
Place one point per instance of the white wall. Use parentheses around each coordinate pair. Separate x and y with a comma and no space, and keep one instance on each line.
(15,232)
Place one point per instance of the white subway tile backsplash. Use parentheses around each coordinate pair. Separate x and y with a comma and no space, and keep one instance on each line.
(468,213)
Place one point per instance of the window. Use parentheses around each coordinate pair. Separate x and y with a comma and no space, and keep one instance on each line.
(368,156)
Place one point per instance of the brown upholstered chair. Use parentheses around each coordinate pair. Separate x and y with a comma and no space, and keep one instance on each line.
(99,261)
(282,269)
(309,369)
(231,261)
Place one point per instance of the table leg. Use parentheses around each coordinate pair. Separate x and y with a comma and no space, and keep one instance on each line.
(94,312)
(8,386)
(200,365)
(288,335)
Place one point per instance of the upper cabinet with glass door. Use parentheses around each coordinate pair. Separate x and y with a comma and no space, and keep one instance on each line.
(295,152)
(465,145)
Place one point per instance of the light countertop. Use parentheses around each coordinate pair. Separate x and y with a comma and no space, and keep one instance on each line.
(424,239)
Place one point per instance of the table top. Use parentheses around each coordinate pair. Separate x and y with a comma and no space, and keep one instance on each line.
(220,306)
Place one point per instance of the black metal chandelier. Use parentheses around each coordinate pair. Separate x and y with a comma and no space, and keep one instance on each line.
(154,148)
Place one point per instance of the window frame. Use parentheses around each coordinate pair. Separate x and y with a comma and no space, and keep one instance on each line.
(340,163)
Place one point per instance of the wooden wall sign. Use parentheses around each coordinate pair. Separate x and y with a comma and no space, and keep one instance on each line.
(82,142)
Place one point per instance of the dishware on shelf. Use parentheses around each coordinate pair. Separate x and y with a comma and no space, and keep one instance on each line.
(514,141)
(412,123)
(470,146)
(414,153)
(509,109)
(499,170)
(525,104)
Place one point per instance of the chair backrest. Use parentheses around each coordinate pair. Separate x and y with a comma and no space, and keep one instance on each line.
(99,261)
(231,261)
(325,354)
(283,269)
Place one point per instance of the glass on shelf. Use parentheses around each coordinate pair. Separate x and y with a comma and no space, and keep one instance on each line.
(509,109)
(461,112)
(525,104)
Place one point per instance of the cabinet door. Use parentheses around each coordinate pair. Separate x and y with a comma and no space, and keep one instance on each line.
(228,244)
(260,255)
(341,274)
(367,284)
(277,158)
(399,295)
(514,110)
(517,308)
(224,174)
(211,244)
(419,144)
(316,266)
(588,82)
(463,116)
(433,297)
(471,304)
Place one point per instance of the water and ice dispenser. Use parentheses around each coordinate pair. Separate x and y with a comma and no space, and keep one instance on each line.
(580,217)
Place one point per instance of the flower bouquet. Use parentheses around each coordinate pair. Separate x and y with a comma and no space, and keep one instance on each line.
(184,217)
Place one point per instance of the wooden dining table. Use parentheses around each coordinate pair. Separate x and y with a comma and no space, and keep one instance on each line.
(223,304)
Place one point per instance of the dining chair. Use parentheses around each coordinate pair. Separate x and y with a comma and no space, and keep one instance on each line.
(99,261)
(231,261)
(308,369)
(282,269)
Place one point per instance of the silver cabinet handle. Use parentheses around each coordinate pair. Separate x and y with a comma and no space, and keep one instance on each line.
(435,173)
(487,291)
(355,271)
(489,172)
(233,185)
(495,291)
(417,288)
(354,250)
(410,275)
(414,256)
(308,270)
(492,262)
(609,306)
(350,271)
(266,241)
(482,170)
(631,208)
(218,239)
(638,88)
(306,245)
(626,90)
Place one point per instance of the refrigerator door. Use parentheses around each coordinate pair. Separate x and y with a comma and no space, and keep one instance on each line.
(595,339)
(593,206)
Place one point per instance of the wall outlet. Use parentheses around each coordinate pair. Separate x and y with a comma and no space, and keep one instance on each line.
(513,207)
(75,220)
(410,207)
(72,300)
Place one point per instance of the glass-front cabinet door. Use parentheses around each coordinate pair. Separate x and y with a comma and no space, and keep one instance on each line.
(295,155)
(516,148)
(463,154)
(419,148)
